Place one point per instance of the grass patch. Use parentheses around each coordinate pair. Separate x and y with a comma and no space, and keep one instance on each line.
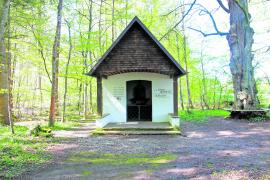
(63,126)
(20,152)
(201,115)
(122,159)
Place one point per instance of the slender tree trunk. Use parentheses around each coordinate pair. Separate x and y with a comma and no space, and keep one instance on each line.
(180,85)
(113,33)
(40,92)
(99,27)
(220,95)
(240,40)
(204,89)
(85,109)
(79,100)
(214,95)
(10,79)
(4,87)
(126,12)
(181,95)
(66,73)
(91,96)
(89,52)
(55,66)
(190,104)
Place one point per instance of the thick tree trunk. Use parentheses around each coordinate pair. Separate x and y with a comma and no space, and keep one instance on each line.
(4,87)
(55,66)
(240,40)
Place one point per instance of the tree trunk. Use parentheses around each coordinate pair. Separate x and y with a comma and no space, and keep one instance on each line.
(66,73)
(126,12)
(214,95)
(240,40)
(90,53)
(220,95)
(190,104)
(55,65)
(79,100)
(99,28)
(204,89)
(113,21)
(180,85)
(4,94)
(181,95)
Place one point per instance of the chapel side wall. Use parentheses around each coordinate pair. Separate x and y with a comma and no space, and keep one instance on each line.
(114,95)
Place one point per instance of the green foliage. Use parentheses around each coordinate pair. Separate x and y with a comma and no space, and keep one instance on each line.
(260,119)
(201,115)
(40,131)
(20,152)
(62,126)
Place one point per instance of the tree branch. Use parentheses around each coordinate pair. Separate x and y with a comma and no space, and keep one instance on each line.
(218,32)
(223,7)
(209,34)
(40,49)
(188,11)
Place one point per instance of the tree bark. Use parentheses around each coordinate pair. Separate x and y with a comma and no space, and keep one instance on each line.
(113,33)
(190,104)
(66,73)
(204,89)
(240,40)
(55,65)
(180,85)
(4,87)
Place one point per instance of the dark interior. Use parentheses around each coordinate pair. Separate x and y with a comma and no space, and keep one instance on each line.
(139,100)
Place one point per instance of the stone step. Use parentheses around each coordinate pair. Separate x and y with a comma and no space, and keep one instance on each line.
(138,129)
(134,132)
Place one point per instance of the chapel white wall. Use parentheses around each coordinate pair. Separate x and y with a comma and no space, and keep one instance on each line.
(114,95)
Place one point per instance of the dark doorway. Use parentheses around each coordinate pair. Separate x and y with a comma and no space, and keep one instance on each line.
(139,100)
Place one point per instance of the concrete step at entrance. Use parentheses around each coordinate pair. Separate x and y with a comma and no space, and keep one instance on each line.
(138,126)
(147,132)
(138,129)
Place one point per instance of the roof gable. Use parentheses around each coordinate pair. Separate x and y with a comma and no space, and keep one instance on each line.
(136,50)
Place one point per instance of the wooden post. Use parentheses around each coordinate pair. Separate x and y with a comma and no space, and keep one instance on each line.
(99,95)
(175,96)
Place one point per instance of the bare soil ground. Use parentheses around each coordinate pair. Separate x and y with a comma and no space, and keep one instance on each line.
(218,149)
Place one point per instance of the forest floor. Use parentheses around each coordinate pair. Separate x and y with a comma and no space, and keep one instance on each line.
(215,149)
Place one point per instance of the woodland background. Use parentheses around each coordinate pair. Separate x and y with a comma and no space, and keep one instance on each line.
(88,29)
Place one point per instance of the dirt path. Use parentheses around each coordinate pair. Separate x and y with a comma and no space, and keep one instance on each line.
(219,149)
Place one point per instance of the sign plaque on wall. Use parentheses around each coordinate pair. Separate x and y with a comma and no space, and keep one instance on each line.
(161,92)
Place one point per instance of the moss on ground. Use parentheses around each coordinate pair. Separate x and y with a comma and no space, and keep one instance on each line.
(122,159)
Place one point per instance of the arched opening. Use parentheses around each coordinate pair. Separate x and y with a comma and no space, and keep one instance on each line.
(139,100)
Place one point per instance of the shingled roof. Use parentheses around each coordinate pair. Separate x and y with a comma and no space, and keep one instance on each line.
(136,50)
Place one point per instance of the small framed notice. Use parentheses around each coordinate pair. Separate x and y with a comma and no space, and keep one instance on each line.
(161,92)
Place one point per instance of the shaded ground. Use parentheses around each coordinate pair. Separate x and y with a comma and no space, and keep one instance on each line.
(218,149)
